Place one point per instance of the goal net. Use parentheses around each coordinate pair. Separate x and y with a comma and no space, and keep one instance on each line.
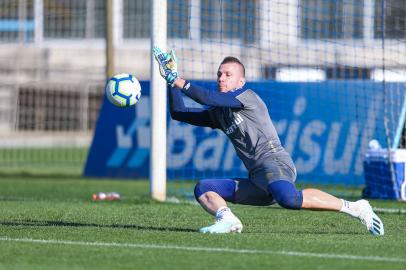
(332,74)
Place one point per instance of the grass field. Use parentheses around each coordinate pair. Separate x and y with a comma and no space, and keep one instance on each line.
(51,223)
(45,161)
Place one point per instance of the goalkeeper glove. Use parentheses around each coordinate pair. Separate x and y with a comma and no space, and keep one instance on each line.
(167,65)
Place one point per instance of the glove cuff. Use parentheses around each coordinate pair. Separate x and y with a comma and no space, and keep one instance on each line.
(186,85)
(171,77)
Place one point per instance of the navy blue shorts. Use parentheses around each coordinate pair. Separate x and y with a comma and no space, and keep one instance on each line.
(254,190)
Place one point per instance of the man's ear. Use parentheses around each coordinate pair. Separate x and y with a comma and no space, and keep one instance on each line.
(241,82)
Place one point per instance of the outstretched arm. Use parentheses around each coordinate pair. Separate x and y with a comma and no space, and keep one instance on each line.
(205,96)
(194,116)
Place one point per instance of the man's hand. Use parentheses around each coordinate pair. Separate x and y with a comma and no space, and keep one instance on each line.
(167,65)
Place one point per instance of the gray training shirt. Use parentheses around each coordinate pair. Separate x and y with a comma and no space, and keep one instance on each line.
(254,137)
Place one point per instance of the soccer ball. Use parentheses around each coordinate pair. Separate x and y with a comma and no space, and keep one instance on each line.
(123,90)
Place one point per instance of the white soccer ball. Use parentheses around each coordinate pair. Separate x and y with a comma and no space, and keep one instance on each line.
(123,90)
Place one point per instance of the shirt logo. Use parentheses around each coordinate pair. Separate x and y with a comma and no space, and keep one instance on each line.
(236,121)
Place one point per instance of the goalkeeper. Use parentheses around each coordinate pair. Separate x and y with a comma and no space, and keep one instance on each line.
(244,118)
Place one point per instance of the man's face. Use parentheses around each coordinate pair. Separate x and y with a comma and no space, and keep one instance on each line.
(230,77)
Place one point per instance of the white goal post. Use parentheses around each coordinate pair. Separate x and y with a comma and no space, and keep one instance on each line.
(158,104)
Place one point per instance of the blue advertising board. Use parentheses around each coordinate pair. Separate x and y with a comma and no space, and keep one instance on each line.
(325,126)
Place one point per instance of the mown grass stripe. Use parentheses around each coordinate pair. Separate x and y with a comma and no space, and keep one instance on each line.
(206,249)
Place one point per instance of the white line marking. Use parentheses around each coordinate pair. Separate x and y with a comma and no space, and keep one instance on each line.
(390,210)
(206,249)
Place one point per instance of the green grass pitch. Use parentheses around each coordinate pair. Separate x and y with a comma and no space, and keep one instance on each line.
(51,223)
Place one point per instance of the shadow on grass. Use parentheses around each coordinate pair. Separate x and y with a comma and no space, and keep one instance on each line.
(37,223)
(77,224)
(309,232)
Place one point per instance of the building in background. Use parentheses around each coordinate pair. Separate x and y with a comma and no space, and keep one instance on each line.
(53,57)
(63,40)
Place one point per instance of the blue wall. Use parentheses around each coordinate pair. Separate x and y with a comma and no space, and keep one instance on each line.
(325,126)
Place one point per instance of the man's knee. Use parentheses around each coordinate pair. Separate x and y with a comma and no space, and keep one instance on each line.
(201,188)
(291,201)
(223,187)
(286,195)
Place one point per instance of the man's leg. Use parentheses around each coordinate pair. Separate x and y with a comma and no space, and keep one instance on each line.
(285,193)
(314,199)
(212,195)
(207,193)
(211,202)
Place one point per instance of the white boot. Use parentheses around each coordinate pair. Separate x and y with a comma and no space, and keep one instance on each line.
(363,211)
(226,222)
